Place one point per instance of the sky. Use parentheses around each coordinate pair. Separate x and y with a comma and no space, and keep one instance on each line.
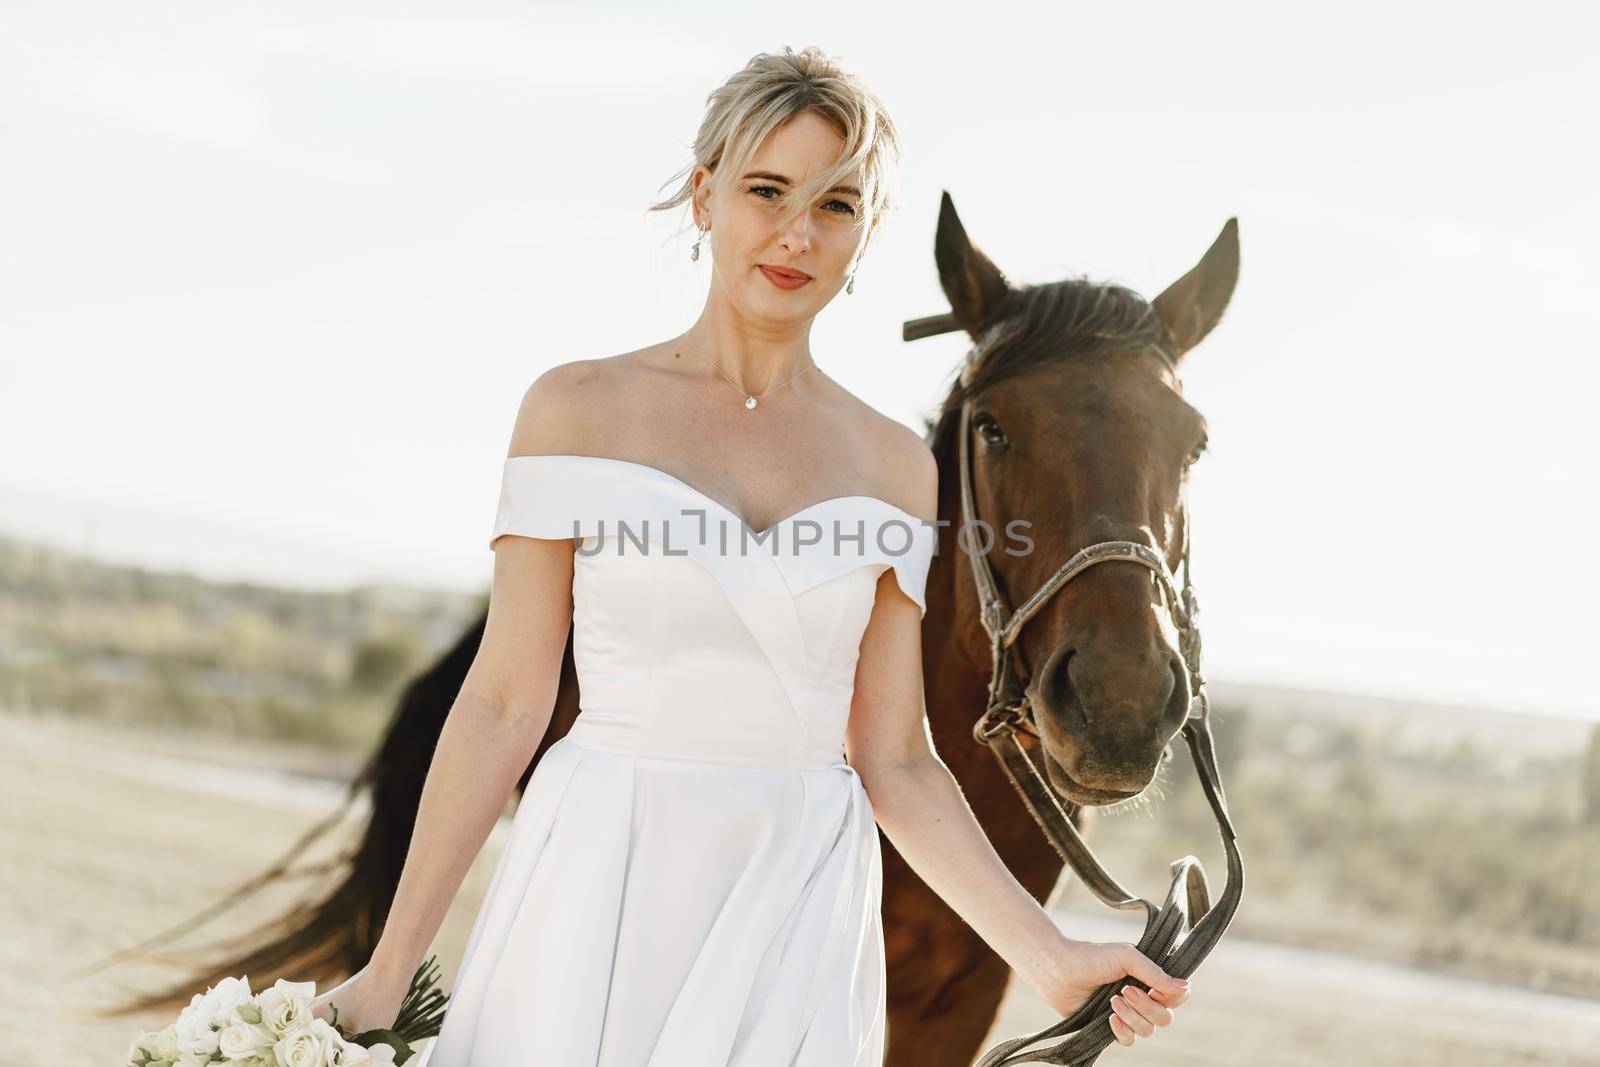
(277,276)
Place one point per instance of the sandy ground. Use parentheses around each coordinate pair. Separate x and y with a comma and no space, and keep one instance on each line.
(112,836)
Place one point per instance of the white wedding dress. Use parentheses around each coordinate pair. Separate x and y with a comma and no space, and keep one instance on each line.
(693,875)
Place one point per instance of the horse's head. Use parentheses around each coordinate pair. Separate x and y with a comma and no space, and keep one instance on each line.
(1079,429)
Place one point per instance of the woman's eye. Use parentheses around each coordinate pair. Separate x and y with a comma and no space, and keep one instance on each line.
(762,190)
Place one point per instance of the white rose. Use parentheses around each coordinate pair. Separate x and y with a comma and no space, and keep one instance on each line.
(301,1048)
(354,1055)
(225,998)
(218,1004)
(191,1022)
(194,1032)
(166,1046)
(286,1007)
(350,1054)
(144,1046)
(324,1032)
(243,1041)
(208,1013)
(382,1055)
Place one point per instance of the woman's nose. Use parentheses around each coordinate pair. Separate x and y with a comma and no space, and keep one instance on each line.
(796,237)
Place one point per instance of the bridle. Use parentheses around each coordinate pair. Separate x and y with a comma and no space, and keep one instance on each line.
(1185,927)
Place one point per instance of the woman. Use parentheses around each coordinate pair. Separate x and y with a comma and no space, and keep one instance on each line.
(741,548)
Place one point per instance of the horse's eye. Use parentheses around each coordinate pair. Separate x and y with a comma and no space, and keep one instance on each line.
(990,430)
(1194,455)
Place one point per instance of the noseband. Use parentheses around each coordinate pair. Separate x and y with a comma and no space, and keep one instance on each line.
(1181,931)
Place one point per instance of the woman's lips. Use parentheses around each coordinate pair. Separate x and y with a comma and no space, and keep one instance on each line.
(784,281)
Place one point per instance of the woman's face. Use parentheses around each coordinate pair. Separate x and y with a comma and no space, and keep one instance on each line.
(743,211)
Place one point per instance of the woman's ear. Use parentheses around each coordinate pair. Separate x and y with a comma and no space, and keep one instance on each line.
(701,181)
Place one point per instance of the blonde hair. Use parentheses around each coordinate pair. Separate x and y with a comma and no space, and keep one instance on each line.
(774,88)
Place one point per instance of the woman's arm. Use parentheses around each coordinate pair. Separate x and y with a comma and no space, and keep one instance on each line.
(489,737)
(496,722)
(920,806)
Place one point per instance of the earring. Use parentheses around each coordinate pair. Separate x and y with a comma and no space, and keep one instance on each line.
(694,253)
(850,287)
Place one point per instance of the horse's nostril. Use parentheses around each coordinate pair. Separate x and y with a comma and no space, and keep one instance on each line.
(1057,692)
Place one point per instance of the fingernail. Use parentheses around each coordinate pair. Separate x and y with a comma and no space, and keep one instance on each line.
(1181,982)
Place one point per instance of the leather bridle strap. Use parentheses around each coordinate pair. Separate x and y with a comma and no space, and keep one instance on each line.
(1185,927)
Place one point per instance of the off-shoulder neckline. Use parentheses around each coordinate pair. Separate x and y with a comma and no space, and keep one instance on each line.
(915,520)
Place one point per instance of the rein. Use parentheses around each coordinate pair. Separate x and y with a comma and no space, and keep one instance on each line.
(1182,931)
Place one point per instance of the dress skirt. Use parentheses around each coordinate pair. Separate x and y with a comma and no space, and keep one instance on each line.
(651,912)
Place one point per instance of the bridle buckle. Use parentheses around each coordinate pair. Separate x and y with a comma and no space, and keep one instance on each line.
(1000,719)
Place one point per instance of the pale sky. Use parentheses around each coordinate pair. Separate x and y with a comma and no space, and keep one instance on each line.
(277,275)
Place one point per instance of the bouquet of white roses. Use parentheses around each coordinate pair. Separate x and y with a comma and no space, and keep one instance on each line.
(275,1028)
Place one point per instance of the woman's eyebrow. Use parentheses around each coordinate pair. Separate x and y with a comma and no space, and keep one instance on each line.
(767,174)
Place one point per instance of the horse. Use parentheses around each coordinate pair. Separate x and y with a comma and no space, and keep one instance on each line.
(1079,428)
(1082,431)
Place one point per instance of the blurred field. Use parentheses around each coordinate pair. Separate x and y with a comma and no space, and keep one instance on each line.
(124,832)
(141,647)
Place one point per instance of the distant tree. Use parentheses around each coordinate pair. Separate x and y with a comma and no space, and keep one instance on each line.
(380,662)
(1591,778)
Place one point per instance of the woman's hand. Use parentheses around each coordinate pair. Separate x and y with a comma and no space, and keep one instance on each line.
(366,1001)
(1085,966)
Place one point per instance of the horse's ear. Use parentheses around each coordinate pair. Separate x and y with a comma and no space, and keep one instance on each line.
(1194,303)
(973,285)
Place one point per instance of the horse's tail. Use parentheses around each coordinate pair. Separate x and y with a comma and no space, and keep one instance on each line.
(329,932)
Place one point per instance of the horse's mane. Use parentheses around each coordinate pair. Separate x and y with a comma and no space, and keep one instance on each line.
(1076,318)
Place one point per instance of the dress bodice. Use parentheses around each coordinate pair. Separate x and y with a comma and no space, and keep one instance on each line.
(697,638)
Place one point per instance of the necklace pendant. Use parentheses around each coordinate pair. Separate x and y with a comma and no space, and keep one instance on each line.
(749,402)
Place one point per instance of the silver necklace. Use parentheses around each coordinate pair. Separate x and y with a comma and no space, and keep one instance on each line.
(751,398)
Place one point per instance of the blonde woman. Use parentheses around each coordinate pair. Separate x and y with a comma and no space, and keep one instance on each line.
(740,548)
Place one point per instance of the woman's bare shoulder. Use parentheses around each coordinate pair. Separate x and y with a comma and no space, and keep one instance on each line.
(910,468)
(564,409)
(907,472)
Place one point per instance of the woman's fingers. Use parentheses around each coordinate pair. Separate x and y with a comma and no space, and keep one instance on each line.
(1158,1014)
(1137,1013)
(1130,1015)
(1137,965)
(1171,1000)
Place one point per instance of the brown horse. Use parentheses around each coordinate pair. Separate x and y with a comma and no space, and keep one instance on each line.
(1082,432)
